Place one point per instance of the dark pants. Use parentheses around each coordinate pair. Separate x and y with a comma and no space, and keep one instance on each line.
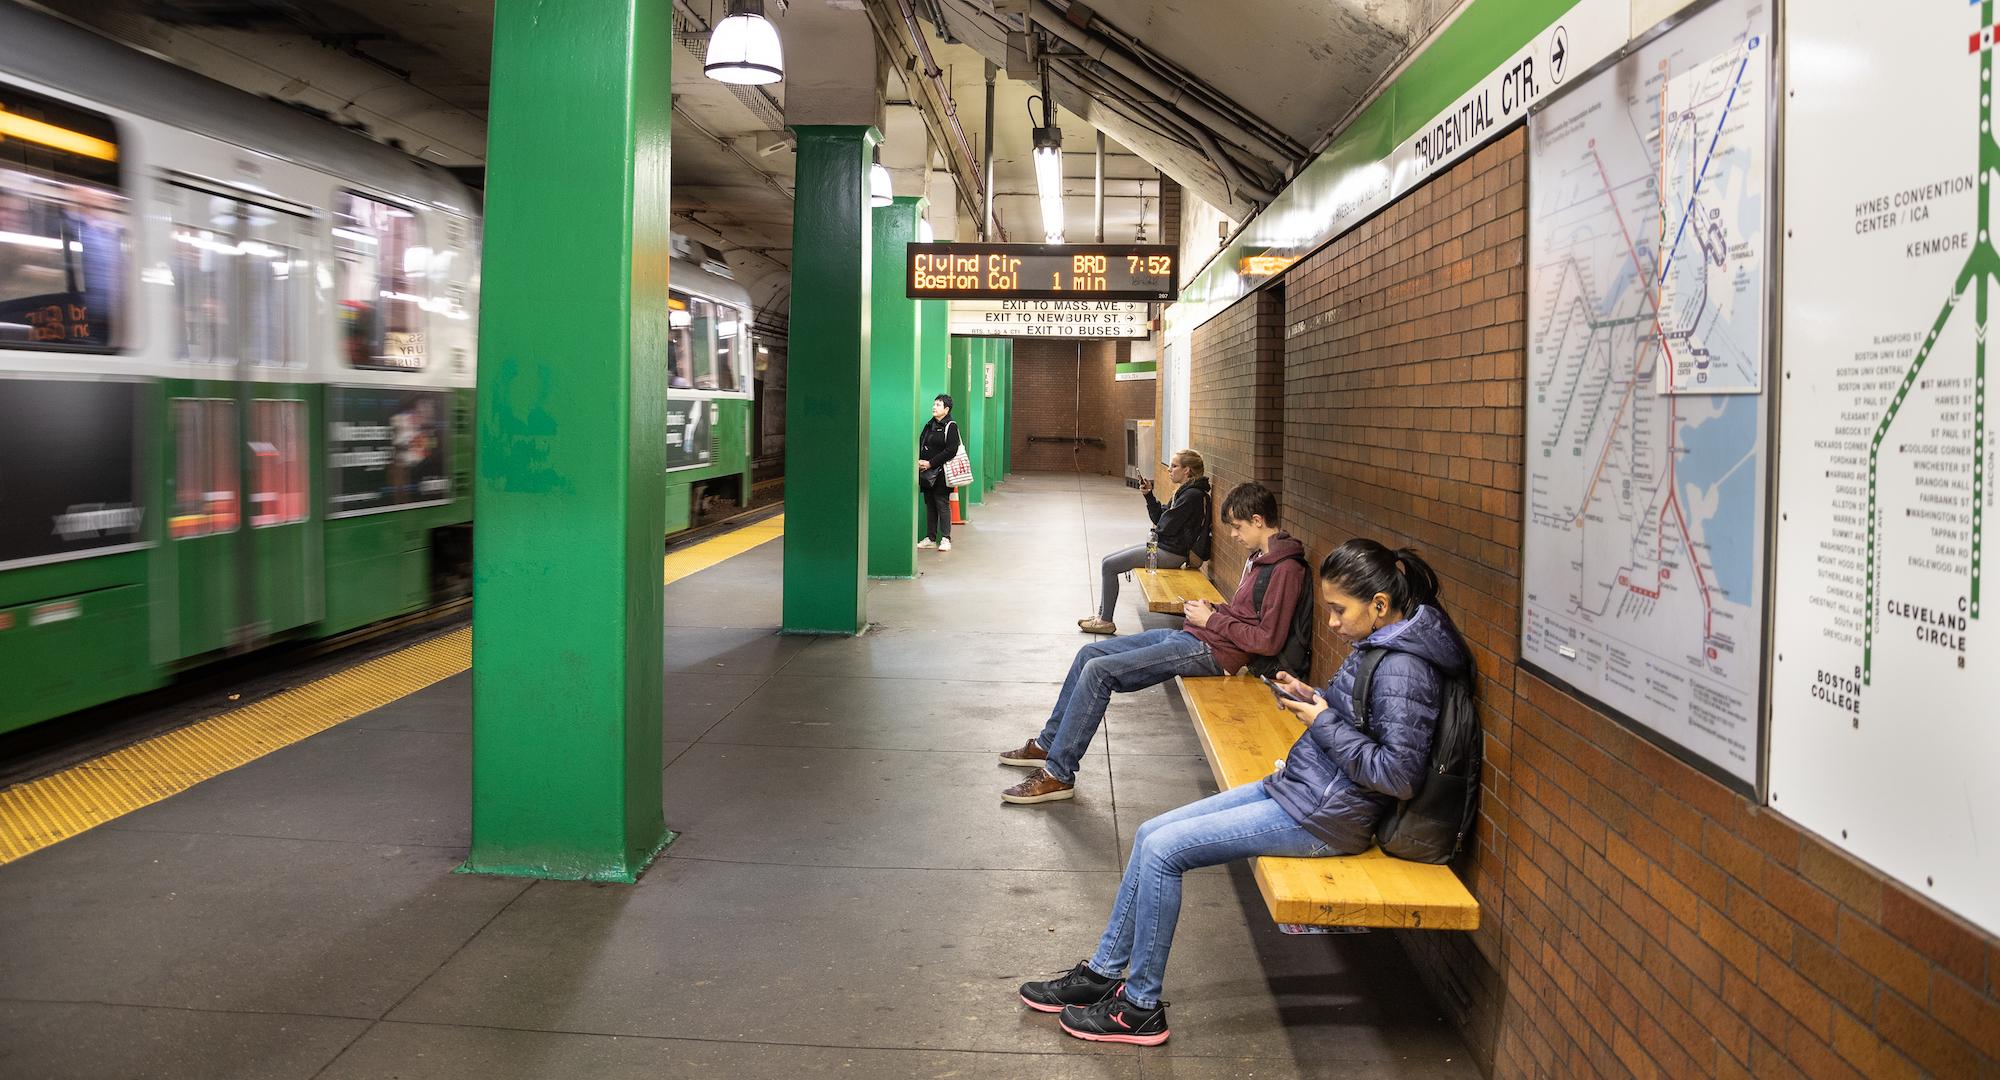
(937,508)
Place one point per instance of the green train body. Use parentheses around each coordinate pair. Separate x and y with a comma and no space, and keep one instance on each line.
(237,351)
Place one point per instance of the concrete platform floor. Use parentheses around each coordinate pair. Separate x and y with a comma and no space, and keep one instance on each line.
(848,895)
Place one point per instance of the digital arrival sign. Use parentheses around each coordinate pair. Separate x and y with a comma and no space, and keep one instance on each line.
(1043,272)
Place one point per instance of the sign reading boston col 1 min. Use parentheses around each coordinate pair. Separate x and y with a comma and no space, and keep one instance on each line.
(1042,272)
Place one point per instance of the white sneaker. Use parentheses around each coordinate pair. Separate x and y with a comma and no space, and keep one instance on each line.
(944,544)
(925,543)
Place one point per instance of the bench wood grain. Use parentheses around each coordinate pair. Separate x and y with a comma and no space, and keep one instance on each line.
(1245,735)
(1167,590)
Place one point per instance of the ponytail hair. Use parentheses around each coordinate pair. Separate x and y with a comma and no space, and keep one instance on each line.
(1363,568)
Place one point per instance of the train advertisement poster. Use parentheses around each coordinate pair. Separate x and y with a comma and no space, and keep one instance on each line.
(69,469)
(690,433)
(385,448)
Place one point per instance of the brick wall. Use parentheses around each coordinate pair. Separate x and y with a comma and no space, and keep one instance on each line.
(1638,918)
(1236,409)
(1065,389)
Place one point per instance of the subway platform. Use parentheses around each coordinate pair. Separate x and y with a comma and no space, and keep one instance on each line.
(847,895)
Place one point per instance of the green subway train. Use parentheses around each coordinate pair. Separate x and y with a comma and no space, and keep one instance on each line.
(237,359)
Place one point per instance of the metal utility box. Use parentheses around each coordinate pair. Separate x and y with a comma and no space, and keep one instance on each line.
(1142,451)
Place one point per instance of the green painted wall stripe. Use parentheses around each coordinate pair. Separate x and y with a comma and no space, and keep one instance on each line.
(1485,34)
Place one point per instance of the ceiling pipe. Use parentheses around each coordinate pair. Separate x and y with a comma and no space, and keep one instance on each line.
(1108,54)
(1081,14)
(986,170)
(941,115)
(1100,185)
(1189,134)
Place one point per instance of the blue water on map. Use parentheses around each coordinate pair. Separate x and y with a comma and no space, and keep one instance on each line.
(1715,446)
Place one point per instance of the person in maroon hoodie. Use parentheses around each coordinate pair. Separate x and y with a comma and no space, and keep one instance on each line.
(1215,641)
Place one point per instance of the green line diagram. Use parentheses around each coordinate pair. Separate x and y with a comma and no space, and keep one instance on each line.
(1982,266)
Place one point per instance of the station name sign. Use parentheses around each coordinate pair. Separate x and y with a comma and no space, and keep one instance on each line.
(1043,272)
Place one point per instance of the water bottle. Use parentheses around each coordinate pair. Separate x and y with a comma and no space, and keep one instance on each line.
(1153,550)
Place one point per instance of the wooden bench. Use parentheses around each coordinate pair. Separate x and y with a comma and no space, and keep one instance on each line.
(1245,734)
(1167,590)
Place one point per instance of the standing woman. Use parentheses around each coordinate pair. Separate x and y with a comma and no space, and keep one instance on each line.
(937,443)
(1325,799)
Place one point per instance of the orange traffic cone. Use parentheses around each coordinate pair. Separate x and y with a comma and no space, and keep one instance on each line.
(956,517)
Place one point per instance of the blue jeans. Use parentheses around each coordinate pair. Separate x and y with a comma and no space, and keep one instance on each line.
(1123,664)
(1235,824)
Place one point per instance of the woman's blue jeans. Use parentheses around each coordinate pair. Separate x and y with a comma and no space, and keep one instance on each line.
(1121,664)
(1235,824)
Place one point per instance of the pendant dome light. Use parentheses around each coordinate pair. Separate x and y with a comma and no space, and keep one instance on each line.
(880,192)
(744,48)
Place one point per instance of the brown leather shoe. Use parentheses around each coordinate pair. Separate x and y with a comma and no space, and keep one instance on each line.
(1029,756)
(1039,787)
(1095,625)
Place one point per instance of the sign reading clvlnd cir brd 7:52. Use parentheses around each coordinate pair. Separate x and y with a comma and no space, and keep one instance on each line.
(1042,272)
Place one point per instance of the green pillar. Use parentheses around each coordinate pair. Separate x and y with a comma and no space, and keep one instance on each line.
(934,351)
(826,383)
(974,419)
(990,477)
(933,359)
(962,389)
(567,633)
(1006,395)
(895,411)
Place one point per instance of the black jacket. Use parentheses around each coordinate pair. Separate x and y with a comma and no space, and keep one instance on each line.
(937,443)
(1182,521)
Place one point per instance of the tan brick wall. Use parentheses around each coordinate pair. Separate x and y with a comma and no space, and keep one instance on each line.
(1064,389)
(1236,409)
(1638,918)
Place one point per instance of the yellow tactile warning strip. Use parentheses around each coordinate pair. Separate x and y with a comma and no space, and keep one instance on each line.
(54,808)
(727,546)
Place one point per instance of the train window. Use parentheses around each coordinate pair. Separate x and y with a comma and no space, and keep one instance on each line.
(234,279)
(205,265)
(732,338)
(62,225)
(383,268)
(704,342)
(278,487)
(681,346)
(207,477)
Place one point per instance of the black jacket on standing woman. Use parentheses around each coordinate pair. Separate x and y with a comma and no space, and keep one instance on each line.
(937,443)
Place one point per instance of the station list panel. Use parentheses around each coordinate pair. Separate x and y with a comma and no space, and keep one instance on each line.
(1043,272)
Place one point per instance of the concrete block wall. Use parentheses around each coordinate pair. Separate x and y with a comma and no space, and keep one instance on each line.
(1639,919)
(1069,388)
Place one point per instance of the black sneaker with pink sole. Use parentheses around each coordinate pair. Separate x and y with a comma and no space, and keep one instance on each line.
(1078,986)
(1117,1020)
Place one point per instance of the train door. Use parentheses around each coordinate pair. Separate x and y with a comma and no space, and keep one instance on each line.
(239,476)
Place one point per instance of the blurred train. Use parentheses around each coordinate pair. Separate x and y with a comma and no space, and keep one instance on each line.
(237,354)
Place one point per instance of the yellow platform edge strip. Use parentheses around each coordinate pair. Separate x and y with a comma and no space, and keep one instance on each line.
(54,808)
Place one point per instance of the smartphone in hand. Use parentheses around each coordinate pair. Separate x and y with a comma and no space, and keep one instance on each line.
(1282,693)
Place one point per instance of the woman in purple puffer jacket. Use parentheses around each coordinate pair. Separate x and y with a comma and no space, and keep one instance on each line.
(1326,799)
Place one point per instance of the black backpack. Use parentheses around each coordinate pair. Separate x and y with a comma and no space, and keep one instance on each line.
(1204,541)
(1431,826)
(1296,654)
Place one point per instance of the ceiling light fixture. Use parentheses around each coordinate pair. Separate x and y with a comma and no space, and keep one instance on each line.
(1048,181)
(880,191)
(744,48)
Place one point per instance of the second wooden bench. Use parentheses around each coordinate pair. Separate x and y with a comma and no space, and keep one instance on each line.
(1245,734)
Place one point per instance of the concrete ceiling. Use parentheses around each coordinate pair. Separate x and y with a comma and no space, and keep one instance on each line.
(1228,99)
